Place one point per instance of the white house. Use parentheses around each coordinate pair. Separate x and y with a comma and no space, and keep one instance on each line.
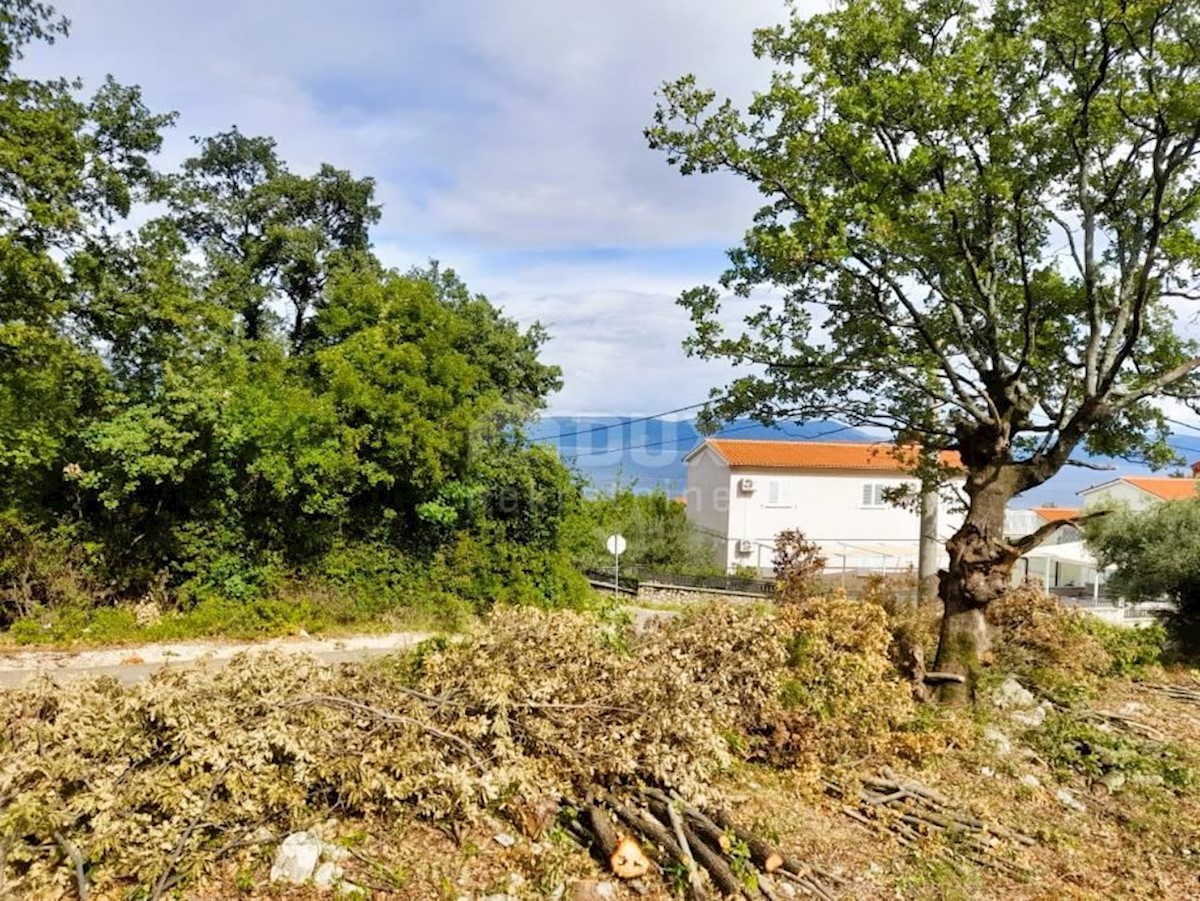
(744,493)
(1140,492)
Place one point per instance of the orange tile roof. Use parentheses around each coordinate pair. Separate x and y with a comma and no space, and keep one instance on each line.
(1055,514)
(1167,487)
(767,454)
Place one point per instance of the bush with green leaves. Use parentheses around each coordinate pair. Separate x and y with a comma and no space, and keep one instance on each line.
(237,392)
(1156,555)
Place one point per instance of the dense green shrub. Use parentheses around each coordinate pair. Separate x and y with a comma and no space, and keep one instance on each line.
(236,408)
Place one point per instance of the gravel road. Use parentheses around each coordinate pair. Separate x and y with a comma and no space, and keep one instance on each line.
(20,666)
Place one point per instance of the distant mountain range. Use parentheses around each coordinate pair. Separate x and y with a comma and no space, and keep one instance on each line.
(648,452)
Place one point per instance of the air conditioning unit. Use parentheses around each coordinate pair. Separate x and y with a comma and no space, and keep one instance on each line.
(746,486)
(744,545)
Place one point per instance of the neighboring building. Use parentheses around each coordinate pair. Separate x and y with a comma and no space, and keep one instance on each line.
(1141,492)
(744,493)
(1019,523)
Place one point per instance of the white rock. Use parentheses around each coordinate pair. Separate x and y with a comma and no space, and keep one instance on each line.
(503,896)
(1113,780)
(504,840)
(987,772)
(997,739)
(336,853)
(1033,717)
(1030,781)
(296,858)
(1012,695)
(1069,800)
(326,875)
(1131,708)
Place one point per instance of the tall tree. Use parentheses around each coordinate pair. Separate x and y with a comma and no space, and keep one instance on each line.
(979,222)
(71,167)
(268,234)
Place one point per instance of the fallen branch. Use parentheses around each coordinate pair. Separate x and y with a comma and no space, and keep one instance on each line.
(82,888)
(386,716)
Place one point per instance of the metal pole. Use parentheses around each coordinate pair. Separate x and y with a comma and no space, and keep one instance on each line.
(617,574)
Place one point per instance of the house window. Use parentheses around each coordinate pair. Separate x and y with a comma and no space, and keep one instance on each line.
(779,493)
(872,494)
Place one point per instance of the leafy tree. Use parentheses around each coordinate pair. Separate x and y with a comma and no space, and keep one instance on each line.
(1156,553)
(978,221)
(268,234)
(70,168)
(798,566)
(658,533)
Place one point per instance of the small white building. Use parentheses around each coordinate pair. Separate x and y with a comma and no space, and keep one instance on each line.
(744,493)
(1141,492)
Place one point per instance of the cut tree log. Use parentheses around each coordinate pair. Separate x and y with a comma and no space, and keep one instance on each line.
(765,857)
(624,855)
(701,824)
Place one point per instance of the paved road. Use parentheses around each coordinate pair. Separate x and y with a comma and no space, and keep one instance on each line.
(128,665)
(20,667)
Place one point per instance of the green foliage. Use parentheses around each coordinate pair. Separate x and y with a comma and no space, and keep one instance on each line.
(1156,553)
(1131,652)
(658,534)
(161,424)
(978,220)
(1071,744)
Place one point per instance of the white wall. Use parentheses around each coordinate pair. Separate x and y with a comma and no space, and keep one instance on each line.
(827,506)
(709,487)
(1118,492)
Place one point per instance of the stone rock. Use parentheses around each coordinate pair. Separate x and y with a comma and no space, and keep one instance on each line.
(502,896)
(1032,717)
(296,858)
(336,853)
(593,890)
(504,840)
(997,739)
(1113,780)
(987,772)
(1146,779)
(1069,801)
(327,875)
(1030,781)
(1012,695)
(1131,708)
(787,889)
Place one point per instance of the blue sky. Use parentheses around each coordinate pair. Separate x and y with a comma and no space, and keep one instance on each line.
(506,138)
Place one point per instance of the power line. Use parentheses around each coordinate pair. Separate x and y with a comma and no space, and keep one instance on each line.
(753,425)
(625,422)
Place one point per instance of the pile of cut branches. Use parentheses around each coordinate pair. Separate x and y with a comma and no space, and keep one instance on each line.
(147,785)
(649,829)
(915,813)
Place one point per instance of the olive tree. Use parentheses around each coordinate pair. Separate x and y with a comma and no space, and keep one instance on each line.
(977,232)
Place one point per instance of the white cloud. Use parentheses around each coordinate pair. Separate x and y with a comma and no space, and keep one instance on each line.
(497,131)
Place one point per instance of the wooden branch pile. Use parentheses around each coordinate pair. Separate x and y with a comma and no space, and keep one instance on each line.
(915,813)
(651,831)
(1187,693)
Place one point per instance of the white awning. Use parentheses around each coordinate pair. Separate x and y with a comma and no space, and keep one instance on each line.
(1068,552)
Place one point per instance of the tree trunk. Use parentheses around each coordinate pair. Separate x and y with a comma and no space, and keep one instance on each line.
(980,571)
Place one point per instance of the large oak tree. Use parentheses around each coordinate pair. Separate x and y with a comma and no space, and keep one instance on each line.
(978,231)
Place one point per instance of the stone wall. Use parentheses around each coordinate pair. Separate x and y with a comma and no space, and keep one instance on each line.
(672,594)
